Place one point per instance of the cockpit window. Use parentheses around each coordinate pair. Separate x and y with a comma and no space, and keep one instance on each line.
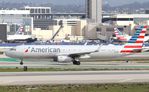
(13,49)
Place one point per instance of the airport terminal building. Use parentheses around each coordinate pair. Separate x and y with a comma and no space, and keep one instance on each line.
(15,18)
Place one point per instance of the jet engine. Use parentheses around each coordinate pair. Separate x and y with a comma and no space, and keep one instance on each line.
(63,59)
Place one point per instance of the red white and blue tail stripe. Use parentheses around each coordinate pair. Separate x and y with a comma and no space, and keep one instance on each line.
(134,45)
(119,35)
(20,30)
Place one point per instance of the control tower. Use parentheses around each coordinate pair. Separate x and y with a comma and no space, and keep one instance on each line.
(94,10)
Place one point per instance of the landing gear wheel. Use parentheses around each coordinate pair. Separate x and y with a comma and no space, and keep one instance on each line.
(25,68)
(76,62)
(127,61)
(21,63)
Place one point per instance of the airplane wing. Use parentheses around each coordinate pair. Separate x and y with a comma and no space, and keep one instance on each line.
(137,50)
(145,49)
(77,54)
(80,54)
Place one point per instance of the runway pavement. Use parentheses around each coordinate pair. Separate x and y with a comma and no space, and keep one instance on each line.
(73,77)
(118,65)
(6,62)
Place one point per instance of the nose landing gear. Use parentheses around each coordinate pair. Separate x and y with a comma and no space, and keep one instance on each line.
(24,67)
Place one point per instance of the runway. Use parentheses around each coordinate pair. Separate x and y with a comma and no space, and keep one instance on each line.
(6,62)
(92,65)
(73,77)
(118,65)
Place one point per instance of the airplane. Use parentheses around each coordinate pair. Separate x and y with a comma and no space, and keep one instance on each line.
(121,36)
(73,53)
(19,36)
(125,37)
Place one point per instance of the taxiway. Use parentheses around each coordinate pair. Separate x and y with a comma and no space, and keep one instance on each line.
(73,77)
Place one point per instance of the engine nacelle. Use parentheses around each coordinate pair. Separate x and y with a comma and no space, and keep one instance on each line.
(63,59)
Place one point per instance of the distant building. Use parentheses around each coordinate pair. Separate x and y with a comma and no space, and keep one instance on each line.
(43,16)
(94,10)
(128,20)
(73,29)
(14,18)
(3,32)
(39,12)
(146,11)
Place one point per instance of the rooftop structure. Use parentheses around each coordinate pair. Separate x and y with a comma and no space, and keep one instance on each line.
(39,10)
(15,12)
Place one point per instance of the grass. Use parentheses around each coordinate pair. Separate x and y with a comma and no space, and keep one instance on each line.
(46,69)
(78,88)
(56,69)
(19,69)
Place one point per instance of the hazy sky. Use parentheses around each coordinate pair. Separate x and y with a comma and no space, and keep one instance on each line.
(111,2)
(121,2)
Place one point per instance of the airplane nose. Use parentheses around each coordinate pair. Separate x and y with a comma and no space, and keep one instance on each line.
(13,53)
(8,53)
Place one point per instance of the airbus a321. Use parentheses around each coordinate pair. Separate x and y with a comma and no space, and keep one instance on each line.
(73,53)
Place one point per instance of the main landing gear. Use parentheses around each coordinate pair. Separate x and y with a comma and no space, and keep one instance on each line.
(127,61)
(76,62)
(21,62)
(24,67)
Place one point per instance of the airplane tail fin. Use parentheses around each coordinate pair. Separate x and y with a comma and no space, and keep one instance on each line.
(117,32)
(20,30)
(119,35)
(135,44)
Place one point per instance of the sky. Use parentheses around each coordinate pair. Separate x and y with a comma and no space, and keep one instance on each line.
(60,2)
(111,2)
(65,2)
(121,2)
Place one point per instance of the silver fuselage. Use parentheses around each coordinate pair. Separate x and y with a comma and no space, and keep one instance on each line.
(51,51)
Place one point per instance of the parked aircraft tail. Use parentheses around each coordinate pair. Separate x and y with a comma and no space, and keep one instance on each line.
(119,35)
(135,44)
(20,31)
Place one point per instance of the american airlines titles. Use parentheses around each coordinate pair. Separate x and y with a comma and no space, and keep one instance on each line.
(45,50)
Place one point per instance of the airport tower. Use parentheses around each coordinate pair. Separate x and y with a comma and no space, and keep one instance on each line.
(94,10)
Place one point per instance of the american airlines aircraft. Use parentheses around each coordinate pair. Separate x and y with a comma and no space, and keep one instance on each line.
(73,53)
(125,37)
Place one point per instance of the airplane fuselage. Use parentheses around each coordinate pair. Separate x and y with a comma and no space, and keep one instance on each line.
(51,51)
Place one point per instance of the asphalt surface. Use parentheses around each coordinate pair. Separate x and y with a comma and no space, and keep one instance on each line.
(73,77)
(92,65)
